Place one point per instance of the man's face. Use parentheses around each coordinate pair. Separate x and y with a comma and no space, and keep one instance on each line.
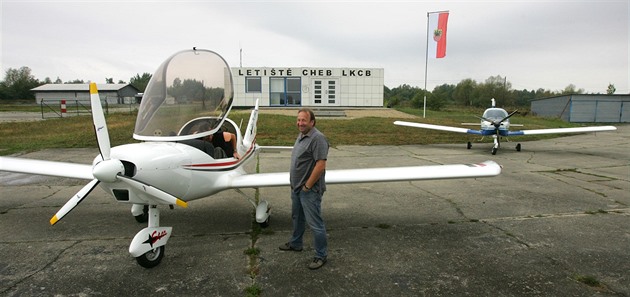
(304,122)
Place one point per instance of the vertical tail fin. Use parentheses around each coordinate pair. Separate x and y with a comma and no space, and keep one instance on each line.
(250,134)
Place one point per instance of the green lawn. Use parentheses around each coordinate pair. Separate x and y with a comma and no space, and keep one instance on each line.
(77,132)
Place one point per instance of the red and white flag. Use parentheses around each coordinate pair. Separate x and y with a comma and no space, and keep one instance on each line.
(437,34)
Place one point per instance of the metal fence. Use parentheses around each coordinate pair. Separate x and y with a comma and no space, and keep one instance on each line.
(59,108)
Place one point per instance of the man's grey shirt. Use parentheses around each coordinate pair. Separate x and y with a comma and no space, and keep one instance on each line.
(307,150)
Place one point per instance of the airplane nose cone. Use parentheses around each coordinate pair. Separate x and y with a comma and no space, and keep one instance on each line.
(106,171)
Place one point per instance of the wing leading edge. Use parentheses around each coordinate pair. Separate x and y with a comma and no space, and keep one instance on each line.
(50,168)
(369,175)
(563,130)
(438,127)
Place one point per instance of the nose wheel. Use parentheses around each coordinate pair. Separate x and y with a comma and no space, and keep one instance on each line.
(497,144)
(151,258)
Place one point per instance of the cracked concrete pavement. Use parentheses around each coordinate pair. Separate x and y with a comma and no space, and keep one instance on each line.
(558,214)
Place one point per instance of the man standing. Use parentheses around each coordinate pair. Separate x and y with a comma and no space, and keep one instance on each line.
(307,174)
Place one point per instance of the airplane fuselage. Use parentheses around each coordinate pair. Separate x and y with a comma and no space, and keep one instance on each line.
(176,168)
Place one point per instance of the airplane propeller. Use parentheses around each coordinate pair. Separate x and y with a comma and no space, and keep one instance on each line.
(109,170)
(497,124)
(74,201)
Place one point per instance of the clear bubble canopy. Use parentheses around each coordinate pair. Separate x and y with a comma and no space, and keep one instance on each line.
(189,85)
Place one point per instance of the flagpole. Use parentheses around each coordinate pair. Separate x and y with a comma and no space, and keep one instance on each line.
(426,66)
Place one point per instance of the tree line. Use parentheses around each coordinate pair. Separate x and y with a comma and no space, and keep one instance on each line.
(469,92)
(17,84)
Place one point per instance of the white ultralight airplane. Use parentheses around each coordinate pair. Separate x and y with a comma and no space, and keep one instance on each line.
(496,122)
(190,89)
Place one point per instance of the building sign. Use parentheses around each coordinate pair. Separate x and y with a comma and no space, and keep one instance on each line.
(316,72)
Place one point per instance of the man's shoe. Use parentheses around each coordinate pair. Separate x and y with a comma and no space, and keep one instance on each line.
(316,264)
(288,247)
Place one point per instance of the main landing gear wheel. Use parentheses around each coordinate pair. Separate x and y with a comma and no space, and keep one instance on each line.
(264,224)
(518,147)
(494,150)
(469,145)
(144,217)
(151,258)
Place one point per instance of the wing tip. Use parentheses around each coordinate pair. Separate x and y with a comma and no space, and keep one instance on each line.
(93,89)
(54,220)
(181,203)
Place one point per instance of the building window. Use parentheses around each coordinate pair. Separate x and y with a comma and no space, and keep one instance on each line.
(294,91)
(253,84)
(285,91)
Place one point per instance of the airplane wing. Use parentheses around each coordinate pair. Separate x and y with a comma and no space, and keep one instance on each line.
(563,130)
(370,175)
(438,127)
(51,168)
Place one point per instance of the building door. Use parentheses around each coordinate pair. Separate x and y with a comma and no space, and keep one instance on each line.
(325,92)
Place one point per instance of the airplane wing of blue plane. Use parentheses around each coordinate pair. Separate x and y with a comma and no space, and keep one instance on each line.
(503,131)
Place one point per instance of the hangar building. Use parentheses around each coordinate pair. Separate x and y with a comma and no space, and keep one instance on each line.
(584,108)
(305,86)
(72,93)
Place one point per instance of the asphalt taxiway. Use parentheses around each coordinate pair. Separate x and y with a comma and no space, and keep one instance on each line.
(556,222)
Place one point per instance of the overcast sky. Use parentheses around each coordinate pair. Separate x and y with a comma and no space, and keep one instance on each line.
(535,44)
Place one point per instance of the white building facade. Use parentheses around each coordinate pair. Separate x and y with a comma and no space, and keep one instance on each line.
(308,87)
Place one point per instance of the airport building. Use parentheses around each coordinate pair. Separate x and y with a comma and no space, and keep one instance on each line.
(80,93)
(309,87)
(584,108)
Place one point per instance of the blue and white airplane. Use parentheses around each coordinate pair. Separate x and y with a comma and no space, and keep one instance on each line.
(496,122)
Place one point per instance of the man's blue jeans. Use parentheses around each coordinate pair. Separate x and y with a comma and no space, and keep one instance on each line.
(307,208)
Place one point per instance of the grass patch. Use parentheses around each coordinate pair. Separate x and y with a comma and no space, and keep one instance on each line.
(588,280)
(77,131)
(72,132)
(383,226)
(253,290)
(253,251)
(21,107)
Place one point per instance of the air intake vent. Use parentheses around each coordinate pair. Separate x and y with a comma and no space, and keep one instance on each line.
(121,194)
(130,168)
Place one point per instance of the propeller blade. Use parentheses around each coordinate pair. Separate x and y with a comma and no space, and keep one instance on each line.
(505,118)
(74,201)
(487,120)
(153,191)
(100,126)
